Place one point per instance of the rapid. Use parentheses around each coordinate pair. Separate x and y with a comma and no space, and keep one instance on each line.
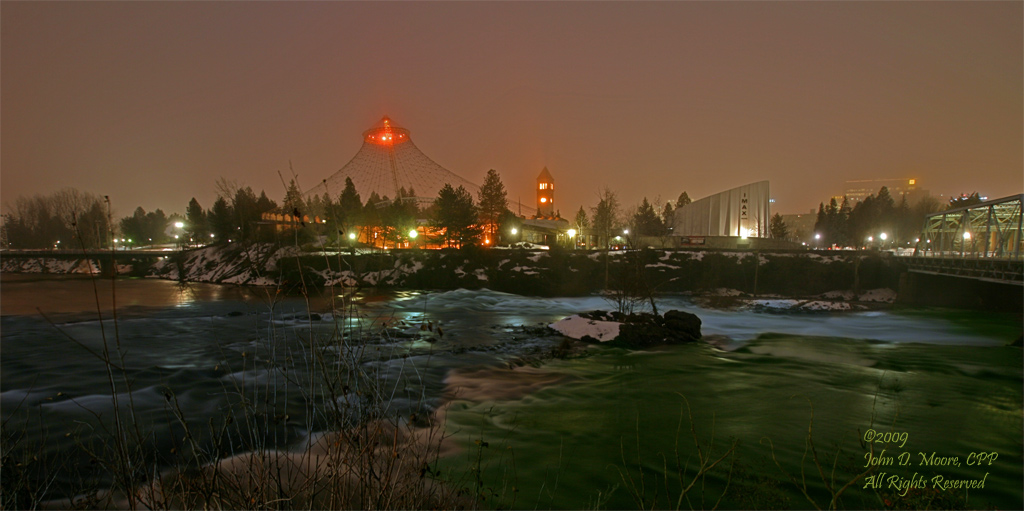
(603,427)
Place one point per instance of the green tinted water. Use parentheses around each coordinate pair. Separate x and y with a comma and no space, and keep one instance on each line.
(616,434)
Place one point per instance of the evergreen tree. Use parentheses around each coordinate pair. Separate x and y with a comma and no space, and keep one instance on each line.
(456,216)
(156,223)
(493,202)
(646,222)
(397,219)
(265,204)
(195,220)
(668,216)
(134,227)
(349,201)
(778,228)
(371,219)
(683,200)
(581,223)
(221,221)
(246,213)
(350,208)
(293,202)
(820,221)
(606,215)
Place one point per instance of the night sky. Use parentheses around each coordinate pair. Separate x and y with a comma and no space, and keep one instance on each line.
(150,103)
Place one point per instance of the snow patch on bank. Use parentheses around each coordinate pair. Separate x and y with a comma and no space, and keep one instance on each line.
(577,327)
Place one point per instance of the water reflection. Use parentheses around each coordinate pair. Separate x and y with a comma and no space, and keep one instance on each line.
(25,294)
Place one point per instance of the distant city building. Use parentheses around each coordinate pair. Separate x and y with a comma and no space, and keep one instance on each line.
(742,212)
(801,226)
(857,190)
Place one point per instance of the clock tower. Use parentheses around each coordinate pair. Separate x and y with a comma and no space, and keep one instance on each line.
(545,194)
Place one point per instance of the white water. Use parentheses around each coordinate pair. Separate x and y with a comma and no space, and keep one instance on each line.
(209,355)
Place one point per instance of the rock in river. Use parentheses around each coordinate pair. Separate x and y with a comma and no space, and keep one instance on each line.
(633,330)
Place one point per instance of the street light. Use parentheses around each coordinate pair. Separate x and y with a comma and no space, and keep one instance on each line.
(572,237)
(413,234)
(179,225)
(515,231)
(884,236)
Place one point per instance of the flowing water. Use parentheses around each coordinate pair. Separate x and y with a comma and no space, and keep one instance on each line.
(614,428)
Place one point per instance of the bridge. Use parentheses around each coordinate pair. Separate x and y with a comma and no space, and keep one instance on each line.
(981,242)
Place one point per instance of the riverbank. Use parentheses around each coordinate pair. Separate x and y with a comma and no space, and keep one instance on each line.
(784,274)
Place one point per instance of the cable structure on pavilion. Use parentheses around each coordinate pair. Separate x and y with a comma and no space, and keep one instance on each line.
(391,165)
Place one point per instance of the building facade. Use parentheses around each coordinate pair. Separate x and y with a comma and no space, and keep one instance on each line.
(741,212)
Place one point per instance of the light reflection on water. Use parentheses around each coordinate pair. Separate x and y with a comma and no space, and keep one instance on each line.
(212,346)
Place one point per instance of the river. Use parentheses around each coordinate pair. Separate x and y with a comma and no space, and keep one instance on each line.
(612,428)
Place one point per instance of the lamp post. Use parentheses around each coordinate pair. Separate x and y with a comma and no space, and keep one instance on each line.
(352,242)
(412,237)
(180,226)
(572,238)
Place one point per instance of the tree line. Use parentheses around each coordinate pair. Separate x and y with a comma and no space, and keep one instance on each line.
(70,219)
(839,224)
(66,219)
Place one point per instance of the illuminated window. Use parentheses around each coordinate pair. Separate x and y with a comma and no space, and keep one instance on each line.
(913,181)
(543,199)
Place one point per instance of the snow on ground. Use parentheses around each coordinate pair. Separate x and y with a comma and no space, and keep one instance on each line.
(782,304)
(576,327)
(662,265)
(845,294)
(47,265)
(800,305)
(818,305)
(724,291)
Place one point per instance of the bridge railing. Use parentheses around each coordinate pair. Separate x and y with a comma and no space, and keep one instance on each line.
(988,230)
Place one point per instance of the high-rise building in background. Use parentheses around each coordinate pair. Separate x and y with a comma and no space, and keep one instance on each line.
(857,190)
